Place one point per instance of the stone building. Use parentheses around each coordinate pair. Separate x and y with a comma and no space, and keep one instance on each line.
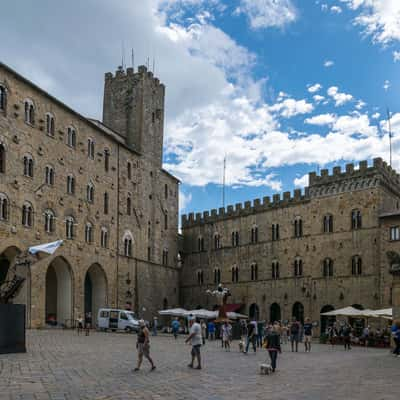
(100,187)
(301,254)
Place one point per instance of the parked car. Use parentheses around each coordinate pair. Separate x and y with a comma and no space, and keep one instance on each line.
(113,319)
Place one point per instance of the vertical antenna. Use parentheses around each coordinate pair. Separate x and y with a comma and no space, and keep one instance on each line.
(154,65)
(122,55)
(223,183)
(390,134)
(133,59)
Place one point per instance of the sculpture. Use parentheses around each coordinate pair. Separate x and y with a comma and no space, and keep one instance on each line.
(223,294)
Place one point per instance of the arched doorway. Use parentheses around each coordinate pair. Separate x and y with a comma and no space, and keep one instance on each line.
(254,312)
(95,290)
(326,321)
(298,311)
(59,293)
(274,313)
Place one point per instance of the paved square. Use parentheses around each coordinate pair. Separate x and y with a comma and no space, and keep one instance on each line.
(61,365)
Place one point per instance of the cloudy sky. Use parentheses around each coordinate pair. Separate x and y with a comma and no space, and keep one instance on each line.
(278,87)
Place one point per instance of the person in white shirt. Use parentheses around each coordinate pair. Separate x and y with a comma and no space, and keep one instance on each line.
(196,340)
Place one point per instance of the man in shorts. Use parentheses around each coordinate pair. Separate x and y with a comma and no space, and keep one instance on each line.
(307,334)
(196,341)
(294,334)
(143,345)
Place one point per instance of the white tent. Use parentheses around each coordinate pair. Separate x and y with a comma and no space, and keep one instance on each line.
(345,312)
(383,313)
(174,312)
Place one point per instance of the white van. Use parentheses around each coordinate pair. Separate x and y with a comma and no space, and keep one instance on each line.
(109,318)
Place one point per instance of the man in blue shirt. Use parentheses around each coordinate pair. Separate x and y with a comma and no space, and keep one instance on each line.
(307,327)
(175,327)
(396,337)
(211,330)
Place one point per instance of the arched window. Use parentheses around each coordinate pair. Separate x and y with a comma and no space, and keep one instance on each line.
(254,234)
(104,237)
(165,257)
(4,204)
(71,137)
(50,124)
(49,175)
(254,272)
(298,267)
(217,275)
(128,205)
(328,267)
(3,98)
(29,112)
(128,240)
(235,239)
(275,270)
(298,227)
(49,221)
(200,244)
(200,277)
(28,166)
(90,192)
(235,274)
(328,224)
(88,233)
(217,241)
(106,160)
(2,158)
(70,184)
(106,203)
(70,227)
(275,232)
(27,215)
(356,221)
(356,265)
(90,148)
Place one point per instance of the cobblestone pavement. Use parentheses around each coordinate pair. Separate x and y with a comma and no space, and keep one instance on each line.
(61,365)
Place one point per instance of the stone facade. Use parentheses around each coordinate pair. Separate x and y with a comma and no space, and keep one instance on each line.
(123,209)
(330,251)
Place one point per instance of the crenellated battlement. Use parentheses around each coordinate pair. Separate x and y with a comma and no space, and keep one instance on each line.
(353,177)
(247,208)
(141,73)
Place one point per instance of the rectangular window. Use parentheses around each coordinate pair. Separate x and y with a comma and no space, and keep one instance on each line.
(394,233)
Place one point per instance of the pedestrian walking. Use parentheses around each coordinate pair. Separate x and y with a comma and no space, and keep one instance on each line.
(284,333)
(396,337)
(273,345)
(88,323)
(175,327)
(203,331)
(155,326)
(346,335)
(226,335)
(260,333)
(250,337)
(307,328)
(79,324)
(195,339)
(143,346)
(294,334)
(211,330)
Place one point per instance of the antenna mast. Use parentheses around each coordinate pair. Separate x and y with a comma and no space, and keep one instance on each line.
(133,59)
(390,135)
(223,183)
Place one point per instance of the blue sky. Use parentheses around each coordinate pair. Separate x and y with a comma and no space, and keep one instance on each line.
(279,87)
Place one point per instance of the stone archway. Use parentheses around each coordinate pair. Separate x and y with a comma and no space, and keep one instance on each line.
(254,312)
(96,289)
(274,313)
(59,289)
(298,311)
(326,321)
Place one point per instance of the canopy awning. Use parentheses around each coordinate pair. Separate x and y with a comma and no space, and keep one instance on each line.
(345,312)
(174,312)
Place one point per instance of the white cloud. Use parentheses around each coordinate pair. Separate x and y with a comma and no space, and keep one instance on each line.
(339,98)
(375,115)
(322,119)
(396,56)
(291,107)
(184,200)
(386,85)
(336,9)
(324,7)
(268,13)
(379,18)
(360,104)
(318,98)
(314,88)
(328,63)
(301,182)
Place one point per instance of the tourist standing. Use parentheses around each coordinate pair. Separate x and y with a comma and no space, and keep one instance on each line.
(294,334)
(195,339)
(88,322)
(203,331)
(155,326)
(346,335)
(284,333)
(250,337)
(307,328)
(273,345)
(211,330)
(79,324)
(226,335)
(143,345)
(175,327)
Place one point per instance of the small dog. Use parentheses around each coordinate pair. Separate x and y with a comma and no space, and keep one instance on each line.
(241,346)
(265,369)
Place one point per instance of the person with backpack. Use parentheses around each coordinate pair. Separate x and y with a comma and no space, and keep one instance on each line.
(294,334)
